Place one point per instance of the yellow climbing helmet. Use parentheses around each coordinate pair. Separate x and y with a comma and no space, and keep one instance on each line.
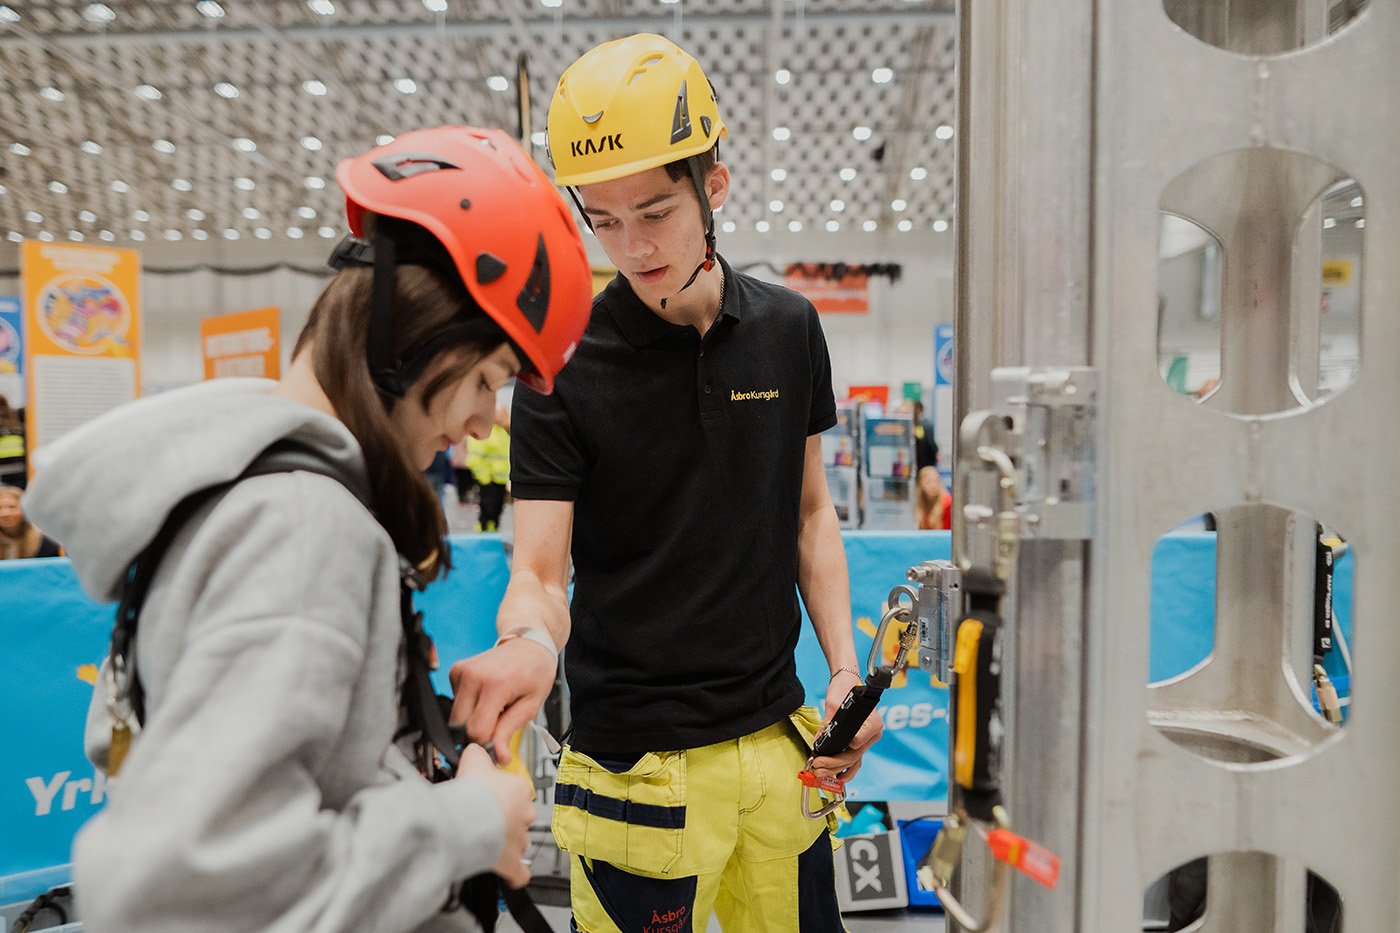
(627,106)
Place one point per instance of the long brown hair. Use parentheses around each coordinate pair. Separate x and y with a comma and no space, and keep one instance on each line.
(424,303)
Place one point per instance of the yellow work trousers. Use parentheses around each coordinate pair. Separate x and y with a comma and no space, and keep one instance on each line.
(660,846)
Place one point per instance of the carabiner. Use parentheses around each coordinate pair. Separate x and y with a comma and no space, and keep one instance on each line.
(936,871)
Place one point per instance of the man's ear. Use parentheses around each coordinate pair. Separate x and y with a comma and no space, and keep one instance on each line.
(717,185)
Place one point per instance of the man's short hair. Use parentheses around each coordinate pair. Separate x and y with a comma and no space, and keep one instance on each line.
(678,169)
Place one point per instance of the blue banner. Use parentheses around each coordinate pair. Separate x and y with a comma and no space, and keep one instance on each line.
(12,350)
(52,637)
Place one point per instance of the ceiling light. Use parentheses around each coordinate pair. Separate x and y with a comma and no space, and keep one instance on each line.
(838,205)
(328,233)
(795,226)
(20,149)
(182,184)
(869,226)
(98,13)
(194,213)
(728,226)
(120,187)
(782,76)
(90,147)
(148,92)
(832,226)
(314,182)
(539,138)
(75,236)
(497,83)
(775,206)
(944,131)
(200,234)
(1361,224)
(244,144)
(406,86)
(779,174)
(1328,223)
(138,235)
(140,216)
(918,173)
(226,90)
(940,226)
(311,143)
(8,15)
(906,225)
(1357,201)
(383,139)
(761,226)
(244,184)
(210,9)
(436,6)
(52,93)
(86,217)
(898,204)
(231,234)
(861,133)
(848,174)
(46,236)
(782,134)
(262,233)
(14,236)
(296,233)
(4,190)
(306,213)
(315,88)
(252,213)
(553,4)
(163,145)
(58,187)
(34,217)
(173,234)
(882,76)
(322,7)
(106,235)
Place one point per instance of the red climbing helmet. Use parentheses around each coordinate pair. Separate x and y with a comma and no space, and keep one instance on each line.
(504,225)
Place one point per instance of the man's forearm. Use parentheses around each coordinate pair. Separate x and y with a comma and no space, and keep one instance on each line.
(530,601)
(823,580)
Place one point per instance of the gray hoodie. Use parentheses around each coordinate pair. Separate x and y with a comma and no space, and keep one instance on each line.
(265,792)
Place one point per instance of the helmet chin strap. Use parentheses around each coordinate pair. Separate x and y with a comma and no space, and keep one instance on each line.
(709,216)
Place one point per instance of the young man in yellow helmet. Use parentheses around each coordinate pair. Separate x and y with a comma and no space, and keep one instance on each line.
(680,455)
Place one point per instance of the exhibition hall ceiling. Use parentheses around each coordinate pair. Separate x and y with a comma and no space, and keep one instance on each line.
(176,120)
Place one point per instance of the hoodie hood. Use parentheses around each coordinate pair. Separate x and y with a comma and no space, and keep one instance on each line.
(106,488)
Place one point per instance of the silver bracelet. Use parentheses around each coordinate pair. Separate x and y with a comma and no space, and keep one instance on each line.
(849,670)
(531,633)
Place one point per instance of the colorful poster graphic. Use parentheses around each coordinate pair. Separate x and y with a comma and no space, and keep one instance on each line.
(246,343)
(839,456)
(82,329)
(849,294)
(12,350)
(887,447)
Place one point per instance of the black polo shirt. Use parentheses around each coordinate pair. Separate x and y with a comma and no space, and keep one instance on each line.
(683,458)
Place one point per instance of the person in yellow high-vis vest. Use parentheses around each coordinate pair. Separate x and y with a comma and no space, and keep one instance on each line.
(679,463)
(13,465)
(489,462)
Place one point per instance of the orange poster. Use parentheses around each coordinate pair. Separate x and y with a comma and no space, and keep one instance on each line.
(881,394)
(248,343)
(82,334)
(849,294)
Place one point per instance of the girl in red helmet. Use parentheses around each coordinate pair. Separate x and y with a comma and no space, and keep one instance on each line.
(265,718)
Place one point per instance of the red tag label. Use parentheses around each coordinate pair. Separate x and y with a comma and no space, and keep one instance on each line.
(1025,856)
(828,784)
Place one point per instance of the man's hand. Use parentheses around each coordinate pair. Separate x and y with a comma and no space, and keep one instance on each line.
(497,692)
(516,798)
(845,765)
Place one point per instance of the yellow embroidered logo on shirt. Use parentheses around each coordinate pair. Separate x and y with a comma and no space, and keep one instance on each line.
(757,395)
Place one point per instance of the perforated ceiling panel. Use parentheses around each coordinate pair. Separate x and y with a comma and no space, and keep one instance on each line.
(152,119)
